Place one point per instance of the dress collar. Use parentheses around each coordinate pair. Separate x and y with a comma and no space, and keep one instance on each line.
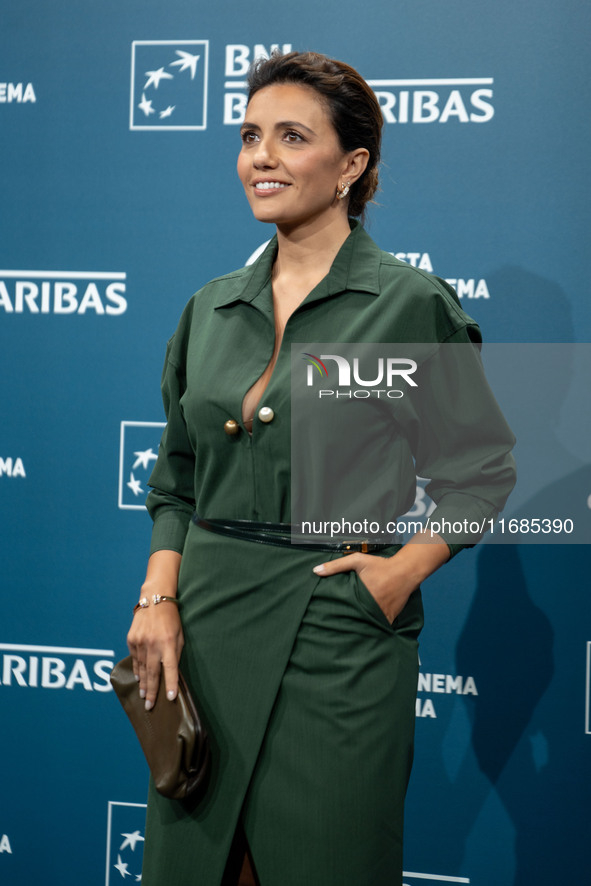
(355,267)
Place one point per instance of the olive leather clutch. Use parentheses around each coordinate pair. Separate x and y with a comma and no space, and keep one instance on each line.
(172,735)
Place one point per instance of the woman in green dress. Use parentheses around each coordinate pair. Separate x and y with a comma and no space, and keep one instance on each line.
(304,660)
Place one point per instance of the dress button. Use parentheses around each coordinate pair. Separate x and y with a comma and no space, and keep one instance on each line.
(231,427)
(266,414)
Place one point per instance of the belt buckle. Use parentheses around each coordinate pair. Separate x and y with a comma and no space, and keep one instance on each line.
(361,546)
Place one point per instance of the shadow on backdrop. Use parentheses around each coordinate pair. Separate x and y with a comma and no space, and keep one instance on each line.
(525,638)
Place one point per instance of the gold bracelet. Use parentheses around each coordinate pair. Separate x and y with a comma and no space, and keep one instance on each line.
(144,602)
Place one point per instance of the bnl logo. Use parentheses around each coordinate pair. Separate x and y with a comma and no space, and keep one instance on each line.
(125,842)
(138,451)
(168,84)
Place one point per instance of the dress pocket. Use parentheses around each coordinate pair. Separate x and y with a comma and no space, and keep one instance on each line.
(368,602)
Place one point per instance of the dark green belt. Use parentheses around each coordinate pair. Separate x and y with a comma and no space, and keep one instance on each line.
(282,535)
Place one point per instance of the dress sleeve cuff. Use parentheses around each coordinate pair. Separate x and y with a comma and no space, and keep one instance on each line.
(461,520)
(170,530)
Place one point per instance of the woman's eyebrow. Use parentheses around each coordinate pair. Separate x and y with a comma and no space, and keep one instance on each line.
(281,124)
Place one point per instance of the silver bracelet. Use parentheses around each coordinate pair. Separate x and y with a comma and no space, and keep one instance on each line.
(144,602)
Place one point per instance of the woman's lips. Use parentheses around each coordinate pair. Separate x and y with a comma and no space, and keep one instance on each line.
(269,187)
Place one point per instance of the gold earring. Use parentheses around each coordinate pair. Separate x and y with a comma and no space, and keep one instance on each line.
(343,190)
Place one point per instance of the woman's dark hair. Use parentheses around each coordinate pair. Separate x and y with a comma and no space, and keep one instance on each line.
(353,107)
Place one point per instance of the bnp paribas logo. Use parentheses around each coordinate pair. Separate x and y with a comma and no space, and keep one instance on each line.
(138,448)
(168,84)
(125,842)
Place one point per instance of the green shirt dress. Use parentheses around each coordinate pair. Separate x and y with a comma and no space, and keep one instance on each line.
(307,690)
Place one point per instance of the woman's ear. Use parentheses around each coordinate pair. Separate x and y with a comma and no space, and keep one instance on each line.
(355,165)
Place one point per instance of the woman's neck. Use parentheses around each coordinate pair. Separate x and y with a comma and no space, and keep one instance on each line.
(309,250)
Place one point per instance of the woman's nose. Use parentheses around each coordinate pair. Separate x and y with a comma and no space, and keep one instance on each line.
(264,154)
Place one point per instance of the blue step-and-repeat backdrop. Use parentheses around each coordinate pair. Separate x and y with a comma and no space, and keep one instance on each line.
(119,198)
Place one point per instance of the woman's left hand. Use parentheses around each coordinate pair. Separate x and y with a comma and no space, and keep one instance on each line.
(383,577)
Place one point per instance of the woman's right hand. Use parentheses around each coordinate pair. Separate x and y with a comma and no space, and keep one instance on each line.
(155,638)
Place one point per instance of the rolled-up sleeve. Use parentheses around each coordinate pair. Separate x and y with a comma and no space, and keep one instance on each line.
(464,443)
(171,501)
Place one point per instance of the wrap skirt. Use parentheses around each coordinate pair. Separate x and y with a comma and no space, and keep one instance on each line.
(308,694)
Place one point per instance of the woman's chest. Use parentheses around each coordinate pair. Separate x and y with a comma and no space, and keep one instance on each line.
(231,349)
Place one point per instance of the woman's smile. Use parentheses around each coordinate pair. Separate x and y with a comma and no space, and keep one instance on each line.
(267,187)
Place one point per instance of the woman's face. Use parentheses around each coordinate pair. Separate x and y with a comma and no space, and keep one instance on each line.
(291,162)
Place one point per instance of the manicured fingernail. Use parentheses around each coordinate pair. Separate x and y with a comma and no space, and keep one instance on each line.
(170,695)
(136,678)
(319,570)
(142,693)
(149,705)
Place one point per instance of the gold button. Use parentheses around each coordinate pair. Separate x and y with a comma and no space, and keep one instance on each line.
(231,427)
(266,414)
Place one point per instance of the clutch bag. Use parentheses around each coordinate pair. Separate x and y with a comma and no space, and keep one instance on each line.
(172,736)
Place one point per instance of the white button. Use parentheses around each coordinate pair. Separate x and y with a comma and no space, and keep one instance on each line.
(266,414)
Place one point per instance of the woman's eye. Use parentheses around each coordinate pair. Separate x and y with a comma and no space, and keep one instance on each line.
(248,136)
(292,136)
